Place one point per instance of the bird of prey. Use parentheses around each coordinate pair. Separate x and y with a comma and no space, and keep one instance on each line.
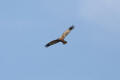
(61,38)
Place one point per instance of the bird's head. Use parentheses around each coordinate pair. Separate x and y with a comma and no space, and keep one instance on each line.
(64,42)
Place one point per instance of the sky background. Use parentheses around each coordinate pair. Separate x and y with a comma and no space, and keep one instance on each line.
(92,52)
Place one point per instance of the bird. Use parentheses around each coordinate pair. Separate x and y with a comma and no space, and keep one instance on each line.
(61,38)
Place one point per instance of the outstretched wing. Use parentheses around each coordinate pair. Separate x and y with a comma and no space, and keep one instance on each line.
(52,42)
(66,32)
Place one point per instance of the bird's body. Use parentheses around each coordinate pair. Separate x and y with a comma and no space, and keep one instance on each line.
(61,38)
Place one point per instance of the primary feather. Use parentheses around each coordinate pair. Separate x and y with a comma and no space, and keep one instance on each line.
(52,42)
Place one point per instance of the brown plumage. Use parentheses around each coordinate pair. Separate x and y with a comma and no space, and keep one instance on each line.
(61,39)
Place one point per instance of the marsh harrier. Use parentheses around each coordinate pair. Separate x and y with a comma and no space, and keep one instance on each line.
(60,39)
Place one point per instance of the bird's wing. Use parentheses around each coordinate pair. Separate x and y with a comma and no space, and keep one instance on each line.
(52,42)
(66,32)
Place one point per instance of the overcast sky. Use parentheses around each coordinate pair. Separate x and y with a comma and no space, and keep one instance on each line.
(92,52)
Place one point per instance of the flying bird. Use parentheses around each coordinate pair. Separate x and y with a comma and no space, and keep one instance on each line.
(61,38)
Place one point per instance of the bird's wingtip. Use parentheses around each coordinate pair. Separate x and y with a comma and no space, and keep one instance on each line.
(47,45)
(72,27)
